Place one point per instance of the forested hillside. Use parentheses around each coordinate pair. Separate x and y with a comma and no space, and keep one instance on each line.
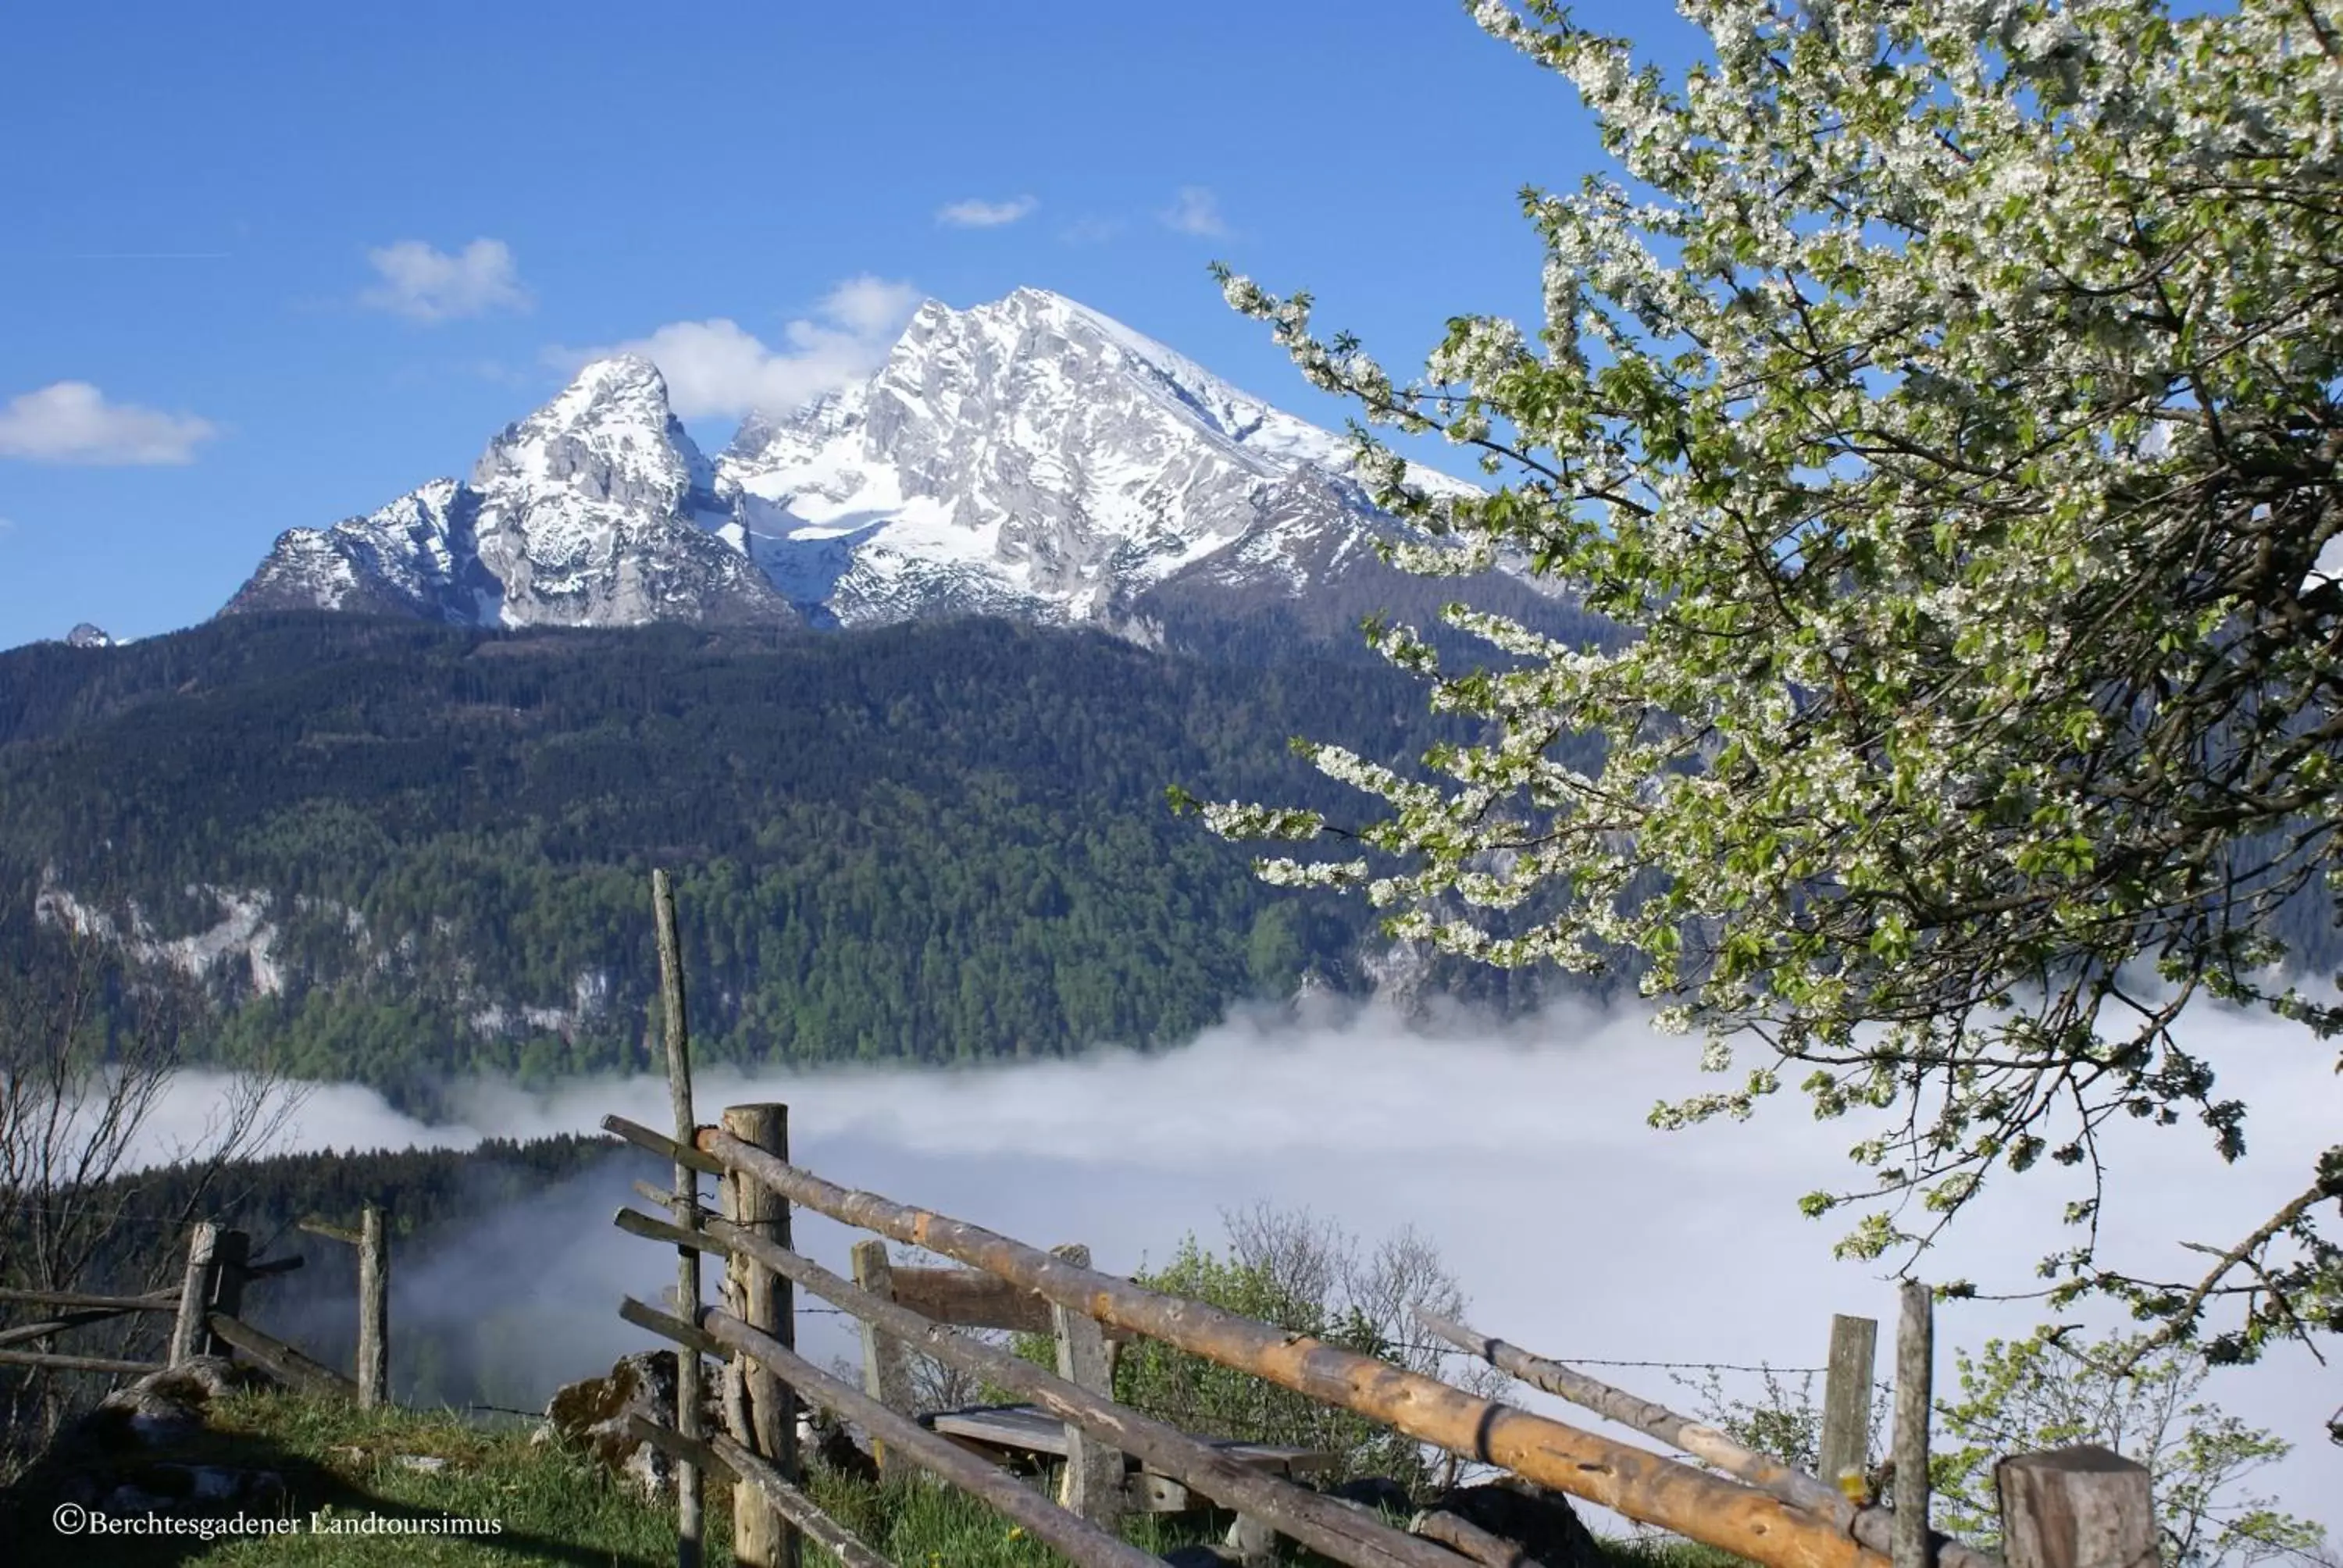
(391,850)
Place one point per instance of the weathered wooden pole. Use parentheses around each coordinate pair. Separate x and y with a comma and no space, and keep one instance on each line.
(188,1334)
(374,1309)
(2083,1507)
(50,1328)
(1845,1444)
(1632,1481)
(886,1364)
(1078,1539)
(1468,1540)
(1342,1531)
(55,1363)
(1874,1527)
(762,1536)
(163,1300)
(802,1510)
(688,1396)
(1093,1479)
(231,1251)
(1915,1373)
(287,1364)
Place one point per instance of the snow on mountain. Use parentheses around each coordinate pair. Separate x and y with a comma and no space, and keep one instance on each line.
(88,636)
(1032,454)
(595,510)
(1029,456)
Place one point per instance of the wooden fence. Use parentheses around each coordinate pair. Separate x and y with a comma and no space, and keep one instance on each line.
(205,1310)
(2080,1508)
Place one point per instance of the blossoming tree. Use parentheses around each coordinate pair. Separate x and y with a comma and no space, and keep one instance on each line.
(1941,399)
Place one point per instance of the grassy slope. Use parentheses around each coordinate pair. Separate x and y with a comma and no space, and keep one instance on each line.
(554,1506)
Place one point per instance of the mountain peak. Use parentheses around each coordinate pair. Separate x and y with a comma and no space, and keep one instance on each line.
(624,385)
(610,425)
(1027,454)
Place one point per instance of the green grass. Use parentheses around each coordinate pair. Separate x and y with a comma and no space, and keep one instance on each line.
(339,1462)
(554,1505)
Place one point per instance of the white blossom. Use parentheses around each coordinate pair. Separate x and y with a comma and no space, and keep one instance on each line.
(1943,409)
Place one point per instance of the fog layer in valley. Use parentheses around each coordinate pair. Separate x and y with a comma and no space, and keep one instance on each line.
(1523,1152)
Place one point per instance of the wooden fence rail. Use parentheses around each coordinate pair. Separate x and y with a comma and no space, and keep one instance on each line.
(1875,1527)
(718,1332)
(1633,1482)
(2077,1508)
(1324,1524)
(206,1309)
(154,1301)
(794,1504)
(1761,1510)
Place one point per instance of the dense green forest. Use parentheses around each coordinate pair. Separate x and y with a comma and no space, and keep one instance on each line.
(934,842)
(930,842)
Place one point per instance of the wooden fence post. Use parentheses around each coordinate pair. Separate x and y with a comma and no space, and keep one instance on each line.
(1846,1398)
(188,1335)
(1093,1482)
(374,1311)
(761,1536)
(230,1254)
(1915,1369)
(688,1397)
(886,1362)
(2082,1507)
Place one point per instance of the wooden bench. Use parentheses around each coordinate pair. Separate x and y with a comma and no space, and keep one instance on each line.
(1097,1482)
(1007,1431)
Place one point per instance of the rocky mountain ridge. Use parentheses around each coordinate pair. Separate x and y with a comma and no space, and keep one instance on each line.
(1031,458)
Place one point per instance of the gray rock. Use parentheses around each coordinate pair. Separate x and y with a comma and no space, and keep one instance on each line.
(163,1407)
(592,1415)
(117,1456)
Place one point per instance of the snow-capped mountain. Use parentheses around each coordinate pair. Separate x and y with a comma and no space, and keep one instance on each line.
(595,510)
(1036,456)
(1029,456)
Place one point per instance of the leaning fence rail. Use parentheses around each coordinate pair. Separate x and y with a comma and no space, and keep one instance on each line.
(1874,1527)
(1325,1525)
(1635,1482)
(2077,1508)
(206,1311)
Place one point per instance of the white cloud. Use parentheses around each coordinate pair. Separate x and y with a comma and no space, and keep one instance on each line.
(719,367)
(423,284)
(1377,1124)
(1197,212)
(72,422)
(977,213)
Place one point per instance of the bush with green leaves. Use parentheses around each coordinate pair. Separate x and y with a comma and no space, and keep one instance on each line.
(1309,1275)
(2052,1389)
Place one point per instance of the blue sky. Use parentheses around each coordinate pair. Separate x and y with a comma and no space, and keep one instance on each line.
(269,267)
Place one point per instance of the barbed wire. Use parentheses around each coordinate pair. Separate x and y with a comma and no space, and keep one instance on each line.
(1691,1366)
(1443,1348)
